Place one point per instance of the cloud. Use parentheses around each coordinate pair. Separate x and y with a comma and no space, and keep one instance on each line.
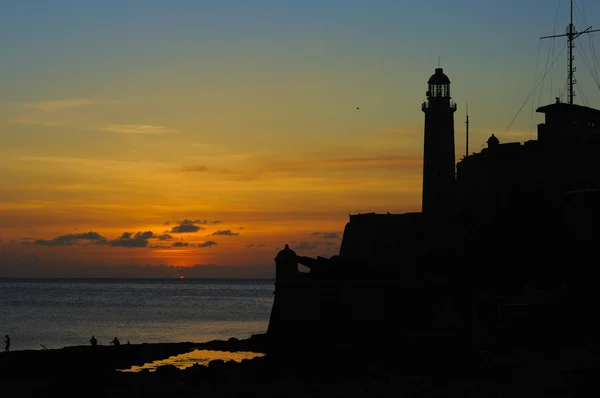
(192,225)
(159,247)
(140,239)
(226,232)
(305,246)
(252,245)
(231,174)
(181,244)
(327,235)
(33,122)
(208,243)
(208,222)
(377,161)
(206,169)
(186,226)
(257,167)
(137,129)
(163,237)
(71,239)
(57,105)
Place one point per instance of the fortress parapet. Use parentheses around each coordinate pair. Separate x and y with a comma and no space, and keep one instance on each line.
(319,265)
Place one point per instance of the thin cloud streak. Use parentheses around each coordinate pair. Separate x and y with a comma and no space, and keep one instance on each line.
(29,122)
(384,161)
(206,169)
(269,165)
(137,129)
(57,105)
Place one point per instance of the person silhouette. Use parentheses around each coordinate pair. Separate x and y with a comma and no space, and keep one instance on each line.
(94,341)
(115,342)
(7,343)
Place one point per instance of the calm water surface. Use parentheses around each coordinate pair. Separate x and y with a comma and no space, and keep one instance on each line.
(200,357)
(65,312)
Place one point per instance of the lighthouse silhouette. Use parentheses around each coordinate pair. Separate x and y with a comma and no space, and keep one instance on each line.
(438,159)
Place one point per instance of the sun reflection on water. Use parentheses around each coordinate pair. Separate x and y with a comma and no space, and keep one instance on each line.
(201,357)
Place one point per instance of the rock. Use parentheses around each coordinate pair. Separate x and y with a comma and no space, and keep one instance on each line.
(167,371)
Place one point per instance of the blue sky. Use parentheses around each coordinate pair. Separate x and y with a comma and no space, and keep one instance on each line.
(134,48)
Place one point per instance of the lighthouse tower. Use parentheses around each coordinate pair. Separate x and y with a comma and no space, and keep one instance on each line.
(438,155)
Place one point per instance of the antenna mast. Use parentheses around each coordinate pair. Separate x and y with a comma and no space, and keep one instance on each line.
(571,35)
(570,40)
(467,130)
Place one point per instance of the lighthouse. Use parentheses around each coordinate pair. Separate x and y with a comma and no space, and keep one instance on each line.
(438,155)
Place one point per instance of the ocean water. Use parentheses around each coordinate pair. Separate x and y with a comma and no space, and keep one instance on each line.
(57,313)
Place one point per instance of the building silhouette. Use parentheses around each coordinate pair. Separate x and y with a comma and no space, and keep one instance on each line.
(512,227)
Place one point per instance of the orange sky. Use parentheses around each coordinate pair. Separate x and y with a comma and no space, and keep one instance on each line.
(88,212)
(207,135)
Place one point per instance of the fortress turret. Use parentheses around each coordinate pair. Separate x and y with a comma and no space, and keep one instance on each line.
(493,141)
(286,265)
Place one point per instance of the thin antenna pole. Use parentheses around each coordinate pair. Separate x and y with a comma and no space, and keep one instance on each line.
(467,130)
(570,38)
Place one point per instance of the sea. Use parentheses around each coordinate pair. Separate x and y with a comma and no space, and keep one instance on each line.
(55,313)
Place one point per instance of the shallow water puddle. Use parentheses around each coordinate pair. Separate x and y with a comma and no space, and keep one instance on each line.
(201,357)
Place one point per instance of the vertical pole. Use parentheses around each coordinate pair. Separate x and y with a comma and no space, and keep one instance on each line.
(570,36)
(467,130)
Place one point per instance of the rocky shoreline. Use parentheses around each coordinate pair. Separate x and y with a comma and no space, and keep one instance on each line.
(532,369)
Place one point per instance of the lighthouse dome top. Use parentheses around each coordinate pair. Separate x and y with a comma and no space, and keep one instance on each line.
(439,77)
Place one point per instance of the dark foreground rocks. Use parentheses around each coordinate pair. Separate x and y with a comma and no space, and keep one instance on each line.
(564,369)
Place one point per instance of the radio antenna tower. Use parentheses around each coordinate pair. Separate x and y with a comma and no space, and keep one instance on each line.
(571,35)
